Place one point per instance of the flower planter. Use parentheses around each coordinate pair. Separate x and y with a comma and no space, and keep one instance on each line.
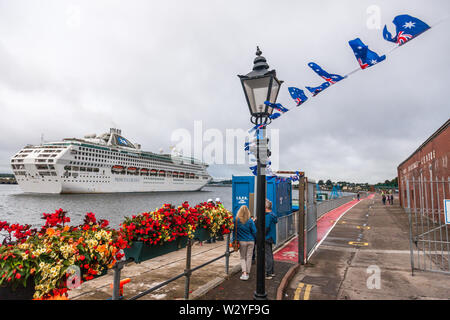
(202,234)
(139,251)
(21,292)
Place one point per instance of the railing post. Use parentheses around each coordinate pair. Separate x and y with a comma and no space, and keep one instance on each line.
(410,228)
(187,271)
(227,254)
(116,284)
(301,221)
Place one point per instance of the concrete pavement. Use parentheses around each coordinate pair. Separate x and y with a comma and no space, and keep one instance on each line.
(366,256)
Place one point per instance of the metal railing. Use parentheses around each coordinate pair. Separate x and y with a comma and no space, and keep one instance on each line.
(186,273)
(429,233)
(286,228)
(328,205)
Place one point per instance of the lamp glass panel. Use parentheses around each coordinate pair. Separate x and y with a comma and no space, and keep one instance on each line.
(256,90)
(274,91)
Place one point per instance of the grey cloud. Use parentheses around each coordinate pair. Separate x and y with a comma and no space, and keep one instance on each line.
(151,68)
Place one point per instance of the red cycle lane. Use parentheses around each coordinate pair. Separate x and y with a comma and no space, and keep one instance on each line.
(324,225)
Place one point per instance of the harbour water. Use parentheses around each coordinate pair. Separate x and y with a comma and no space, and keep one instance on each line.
(24,208)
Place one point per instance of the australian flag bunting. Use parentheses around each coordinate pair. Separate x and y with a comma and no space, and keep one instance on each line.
(256,128)
(330,78)
(298,95)
(407,28)
(366,58)
(276,106)
(275,115)
(316,90)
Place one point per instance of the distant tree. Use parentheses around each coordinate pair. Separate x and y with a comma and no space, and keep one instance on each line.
(320,183)
(329,183)
(394,182)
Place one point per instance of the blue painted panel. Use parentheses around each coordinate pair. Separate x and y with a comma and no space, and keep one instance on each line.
(280,194)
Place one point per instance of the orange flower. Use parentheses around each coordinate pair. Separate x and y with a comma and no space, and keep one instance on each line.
(101,248)
(66,228)
(50,232)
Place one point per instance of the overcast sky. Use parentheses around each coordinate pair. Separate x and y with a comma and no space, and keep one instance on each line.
(69,68)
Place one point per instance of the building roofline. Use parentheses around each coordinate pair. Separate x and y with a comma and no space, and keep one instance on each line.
(436,133)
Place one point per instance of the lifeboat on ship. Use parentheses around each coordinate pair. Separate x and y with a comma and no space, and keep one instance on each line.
(192,176)
(144,171)
(181,175)
(132,170)
(175,174)
(117,169)
(162,173)
(153,172)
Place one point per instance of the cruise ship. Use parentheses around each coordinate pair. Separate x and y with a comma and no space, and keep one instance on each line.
(104,163)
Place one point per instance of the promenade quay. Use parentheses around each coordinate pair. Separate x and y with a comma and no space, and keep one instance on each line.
(154,271)
(370,238)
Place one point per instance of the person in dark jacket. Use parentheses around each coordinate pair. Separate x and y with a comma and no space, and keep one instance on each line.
(271,238)
(246,235)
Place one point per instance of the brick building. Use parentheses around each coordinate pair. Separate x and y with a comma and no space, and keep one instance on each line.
(428,170)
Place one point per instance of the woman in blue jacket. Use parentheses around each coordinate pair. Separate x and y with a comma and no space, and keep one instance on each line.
(246,235)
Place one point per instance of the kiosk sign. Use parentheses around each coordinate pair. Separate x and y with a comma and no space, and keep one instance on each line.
(447,211)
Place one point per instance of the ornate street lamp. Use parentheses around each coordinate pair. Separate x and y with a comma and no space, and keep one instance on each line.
(260,85)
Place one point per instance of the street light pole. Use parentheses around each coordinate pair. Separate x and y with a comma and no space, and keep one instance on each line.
(260,293)
(260,85)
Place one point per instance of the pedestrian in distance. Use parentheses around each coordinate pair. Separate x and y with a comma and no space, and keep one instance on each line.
(357,196)
(271,237)
(246,235)
(383,198)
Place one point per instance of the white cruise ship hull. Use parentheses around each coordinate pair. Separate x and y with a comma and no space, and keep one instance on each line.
(103,166)
(115,184)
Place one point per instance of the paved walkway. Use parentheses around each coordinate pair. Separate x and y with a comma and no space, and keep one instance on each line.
(366,256)
(152,272)
(289,252)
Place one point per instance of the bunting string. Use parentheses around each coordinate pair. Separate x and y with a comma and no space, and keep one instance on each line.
(407,28)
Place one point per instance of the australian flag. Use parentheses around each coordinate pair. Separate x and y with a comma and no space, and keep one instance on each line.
(275,115)
(330,78)
(256,128)
(317,90)
(276,106)
(366,58)
(298,95)
(407,28)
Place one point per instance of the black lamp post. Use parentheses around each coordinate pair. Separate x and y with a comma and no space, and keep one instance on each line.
(260,85)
